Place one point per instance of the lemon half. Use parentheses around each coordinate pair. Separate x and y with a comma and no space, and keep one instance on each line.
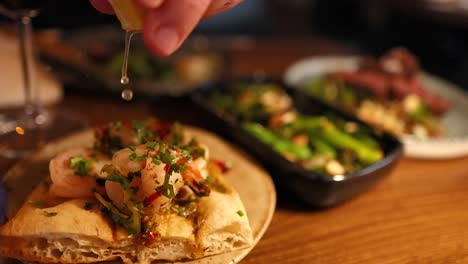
(130,15)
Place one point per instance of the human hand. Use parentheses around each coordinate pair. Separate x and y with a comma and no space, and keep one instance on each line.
(169,22)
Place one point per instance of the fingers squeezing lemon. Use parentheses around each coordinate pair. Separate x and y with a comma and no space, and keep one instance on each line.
(130,14)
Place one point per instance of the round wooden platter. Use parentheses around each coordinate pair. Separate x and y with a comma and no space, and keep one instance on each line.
(253,184)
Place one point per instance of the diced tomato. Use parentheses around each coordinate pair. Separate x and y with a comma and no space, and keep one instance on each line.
(222,165)
(99,129)
(150,238)
(161,127)
(151,198)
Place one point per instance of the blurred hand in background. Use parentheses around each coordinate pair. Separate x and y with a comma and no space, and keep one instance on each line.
(169,22)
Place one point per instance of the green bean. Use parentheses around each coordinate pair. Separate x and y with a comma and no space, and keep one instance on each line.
(340,139)
(279,144)
(304,124)
(322,146)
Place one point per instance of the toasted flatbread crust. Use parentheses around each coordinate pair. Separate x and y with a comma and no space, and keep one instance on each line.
(76,235)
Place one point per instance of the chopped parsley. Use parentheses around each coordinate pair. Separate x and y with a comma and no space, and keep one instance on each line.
(194,148)
(181,212)
(132,175)
(151,145)
(166,189)
(131,223)
(220,189)
(176,134)
(49,214)
(143,134)
(118,125)
(132,156)
(208,180)
(114,175)
(80,166)
(37,203)
(240,213)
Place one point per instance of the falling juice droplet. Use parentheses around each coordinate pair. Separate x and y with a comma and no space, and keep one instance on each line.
(127,94)
(124,80)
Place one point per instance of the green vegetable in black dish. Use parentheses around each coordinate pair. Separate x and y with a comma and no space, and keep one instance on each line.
(321,143)
(141,64)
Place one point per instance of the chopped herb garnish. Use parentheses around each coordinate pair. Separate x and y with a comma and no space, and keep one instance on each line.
(240,213)
(181,212)
(220,189)
(119,179)
(176,134)
(142,157)
(156,161)
(194,149)
(132,148)
(132,156)
(118,125)
(131,223)
(208,180)
(37,203)
(88,206)
(143,134)
(166,190)
(132,175)
(49,214)
(151,145)
(80,166)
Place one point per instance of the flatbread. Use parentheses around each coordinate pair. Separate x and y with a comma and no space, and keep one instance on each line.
(63,231)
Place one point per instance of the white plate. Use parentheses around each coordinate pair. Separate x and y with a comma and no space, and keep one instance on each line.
(253,184)
(452,145)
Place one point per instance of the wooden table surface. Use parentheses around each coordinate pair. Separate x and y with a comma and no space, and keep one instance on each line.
(418,214)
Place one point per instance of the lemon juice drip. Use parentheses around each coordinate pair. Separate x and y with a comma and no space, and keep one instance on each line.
(127,93)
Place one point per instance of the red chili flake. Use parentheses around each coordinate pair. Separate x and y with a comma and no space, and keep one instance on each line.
(166,167)
(151,198)
(126,124)
(224,166)
(182,161)
(163,128)
(150,238)
(99,129)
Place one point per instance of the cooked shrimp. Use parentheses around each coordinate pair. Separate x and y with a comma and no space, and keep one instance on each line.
(202,162)
(65,183)
(153,177)
(122,161)
(126,134)
(193,178)
(116,194)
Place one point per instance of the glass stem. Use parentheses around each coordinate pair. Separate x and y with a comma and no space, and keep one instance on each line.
(27,62)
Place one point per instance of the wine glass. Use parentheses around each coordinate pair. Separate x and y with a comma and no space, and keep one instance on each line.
(23,131)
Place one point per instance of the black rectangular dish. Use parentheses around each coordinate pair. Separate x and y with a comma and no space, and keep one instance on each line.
(317,188)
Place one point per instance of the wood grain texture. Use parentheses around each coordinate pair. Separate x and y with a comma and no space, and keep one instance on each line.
(418,214)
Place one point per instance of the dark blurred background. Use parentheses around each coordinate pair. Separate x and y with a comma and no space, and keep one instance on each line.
(436,30)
